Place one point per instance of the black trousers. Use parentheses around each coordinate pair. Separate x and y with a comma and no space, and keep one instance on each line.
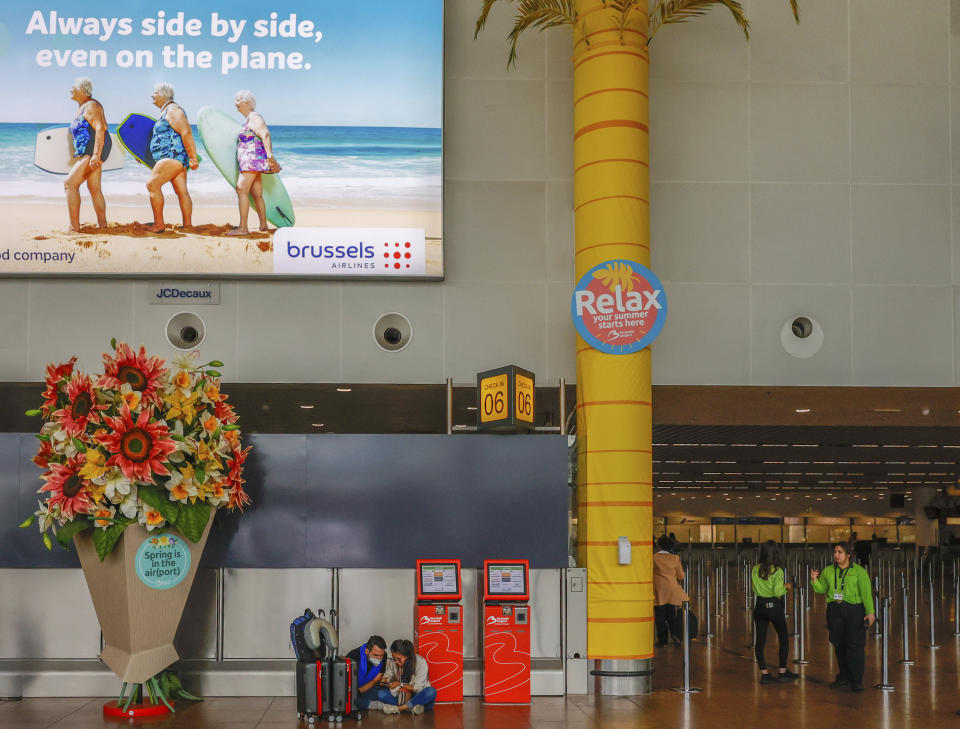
(764,616)
(665,620)
(849,638)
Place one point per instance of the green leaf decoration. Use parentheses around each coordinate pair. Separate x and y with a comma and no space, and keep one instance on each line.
(159,501)
(213,373)
(79,445)
(43,436)
(105,539)
(32,413)
(216,363)
(193,520)
(28,521)
(46,541)
(113,343)
(67,531)
(231,427)
(199,473)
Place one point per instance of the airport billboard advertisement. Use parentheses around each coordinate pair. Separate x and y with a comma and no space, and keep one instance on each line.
(148,139)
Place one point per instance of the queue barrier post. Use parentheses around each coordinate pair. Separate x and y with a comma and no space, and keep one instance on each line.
(905,639)
(686,688)
(932,645)
(708,631)
(801,659)
(956,602)
(885,684)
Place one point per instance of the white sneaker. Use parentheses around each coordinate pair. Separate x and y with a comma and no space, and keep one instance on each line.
(375,705)
(416,709)
(391,709)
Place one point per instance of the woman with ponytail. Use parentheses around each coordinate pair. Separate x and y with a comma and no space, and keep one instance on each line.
(770,589)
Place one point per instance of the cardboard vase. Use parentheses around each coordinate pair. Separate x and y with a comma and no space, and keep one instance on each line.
(138,622)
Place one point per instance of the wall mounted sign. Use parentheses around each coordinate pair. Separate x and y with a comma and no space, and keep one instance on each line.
(619,307)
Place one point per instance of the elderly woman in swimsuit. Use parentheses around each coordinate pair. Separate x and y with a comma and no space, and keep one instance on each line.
(174,152)
(255,157)
(91,145)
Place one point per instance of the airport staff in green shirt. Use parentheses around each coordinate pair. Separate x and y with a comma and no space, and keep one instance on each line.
(849,613)
(770,588)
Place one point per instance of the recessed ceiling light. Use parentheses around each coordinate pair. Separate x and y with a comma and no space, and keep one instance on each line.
(802,410)
(471,407)
(344,389)
(887,410)
(317,425)
(307,407)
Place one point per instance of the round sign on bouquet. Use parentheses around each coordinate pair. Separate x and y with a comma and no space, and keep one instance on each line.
(619,307)
(163,561)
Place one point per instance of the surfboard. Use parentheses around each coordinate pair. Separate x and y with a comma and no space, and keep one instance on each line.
(134,133)
(219,131)
(54,151)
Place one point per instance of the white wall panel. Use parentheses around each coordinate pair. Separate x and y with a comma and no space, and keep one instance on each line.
(814,50)
(16,330)
(901,234)
(561,338)
(711,245)
(707,336)
(300,319)
(490,325)
(799,132)
(494,129)
(900,133)
(800,233)
(897,42)
(505,245)
(698,131)
(78,317)
(902,336)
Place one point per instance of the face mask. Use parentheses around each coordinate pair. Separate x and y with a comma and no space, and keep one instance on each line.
(374,661)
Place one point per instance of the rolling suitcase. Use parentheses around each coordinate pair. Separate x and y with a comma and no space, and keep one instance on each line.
(314,697)
(343,677)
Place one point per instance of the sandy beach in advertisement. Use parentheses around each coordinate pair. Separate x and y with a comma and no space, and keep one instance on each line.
(125,247)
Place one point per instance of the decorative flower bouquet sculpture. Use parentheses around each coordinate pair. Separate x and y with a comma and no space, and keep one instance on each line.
(136,461)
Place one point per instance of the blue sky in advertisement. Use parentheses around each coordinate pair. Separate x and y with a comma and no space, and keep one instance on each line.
(376,64)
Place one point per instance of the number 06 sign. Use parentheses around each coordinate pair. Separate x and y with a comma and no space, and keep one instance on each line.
(505,399)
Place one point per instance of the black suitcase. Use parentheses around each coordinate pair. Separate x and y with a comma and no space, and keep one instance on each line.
(314,697)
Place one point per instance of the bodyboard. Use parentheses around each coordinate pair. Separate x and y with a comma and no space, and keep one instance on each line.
(134,133)
(54,151)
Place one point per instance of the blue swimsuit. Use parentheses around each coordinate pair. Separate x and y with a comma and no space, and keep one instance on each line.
(165,142)
(84,138)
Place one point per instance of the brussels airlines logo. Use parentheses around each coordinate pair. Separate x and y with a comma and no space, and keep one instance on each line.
(350,251)
(494,620)
(619,307)
(429,620)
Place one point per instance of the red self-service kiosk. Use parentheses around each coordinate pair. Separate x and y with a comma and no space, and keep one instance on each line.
(438,625)
(506,631)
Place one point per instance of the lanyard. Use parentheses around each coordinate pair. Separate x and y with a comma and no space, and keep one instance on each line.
(843,578)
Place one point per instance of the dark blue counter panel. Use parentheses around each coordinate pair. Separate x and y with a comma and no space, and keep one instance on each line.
(357,501)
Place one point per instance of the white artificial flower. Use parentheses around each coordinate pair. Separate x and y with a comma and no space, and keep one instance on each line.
(117,486)
(129,506)
(142,518)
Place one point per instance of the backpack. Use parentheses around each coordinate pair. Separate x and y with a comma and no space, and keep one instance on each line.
(297,638)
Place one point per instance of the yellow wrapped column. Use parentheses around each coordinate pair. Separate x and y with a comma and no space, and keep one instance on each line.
(614,422)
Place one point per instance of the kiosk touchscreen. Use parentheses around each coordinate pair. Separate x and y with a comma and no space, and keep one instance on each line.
(506,631)
(438,625)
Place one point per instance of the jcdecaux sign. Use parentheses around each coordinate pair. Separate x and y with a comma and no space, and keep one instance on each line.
(619,307)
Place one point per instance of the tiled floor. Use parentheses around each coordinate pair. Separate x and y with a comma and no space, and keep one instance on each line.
(926,694)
